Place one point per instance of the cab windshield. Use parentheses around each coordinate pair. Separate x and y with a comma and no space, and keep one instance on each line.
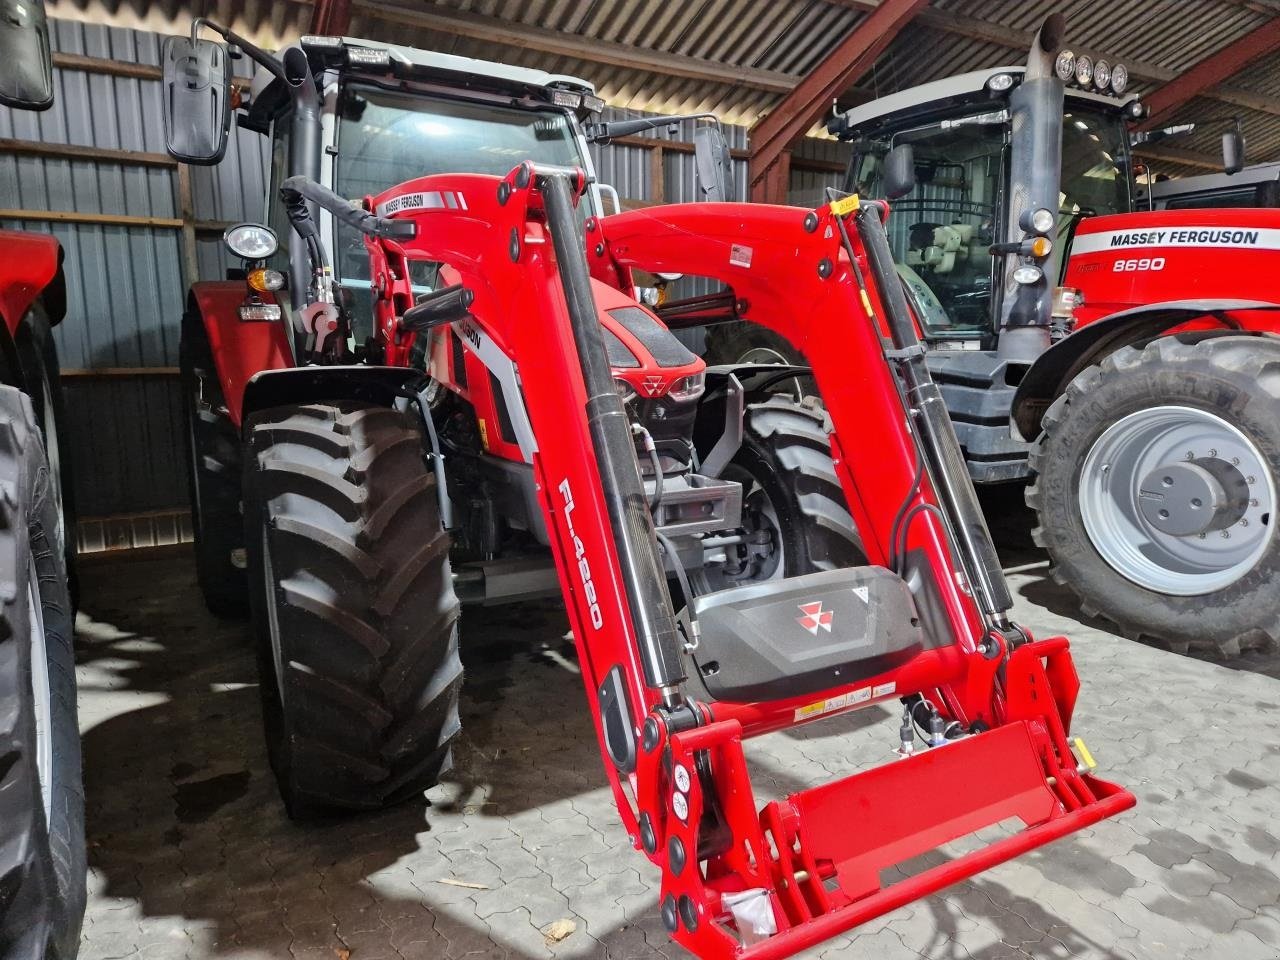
(386,137)
(940,232)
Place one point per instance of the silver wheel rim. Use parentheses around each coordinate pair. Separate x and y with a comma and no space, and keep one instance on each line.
(1123,482)
(768,356)
(41,698)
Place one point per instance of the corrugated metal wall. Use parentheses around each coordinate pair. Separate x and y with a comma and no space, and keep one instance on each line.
(126,280)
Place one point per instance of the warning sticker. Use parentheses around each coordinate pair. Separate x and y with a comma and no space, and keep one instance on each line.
(740,255)
(883,689)
(820,707)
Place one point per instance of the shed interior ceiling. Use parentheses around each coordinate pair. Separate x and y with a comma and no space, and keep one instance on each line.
(737,58)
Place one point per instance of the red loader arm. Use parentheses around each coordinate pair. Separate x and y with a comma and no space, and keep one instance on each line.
(811,862)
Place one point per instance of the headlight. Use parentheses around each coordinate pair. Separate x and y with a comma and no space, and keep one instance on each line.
(1000,82)
(592,104)
(1119,78)
(625,390)
(688,388)
(251,241)
(1084,71)
(1028,274)
(1102,75)
(1040,220)
(1065,66)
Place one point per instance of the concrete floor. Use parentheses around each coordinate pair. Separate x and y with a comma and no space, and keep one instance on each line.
(191,856)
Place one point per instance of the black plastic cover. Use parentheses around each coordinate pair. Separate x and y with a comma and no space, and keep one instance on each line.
(653,336)
(803,635)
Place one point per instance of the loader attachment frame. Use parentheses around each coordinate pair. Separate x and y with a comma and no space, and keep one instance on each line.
(813,861)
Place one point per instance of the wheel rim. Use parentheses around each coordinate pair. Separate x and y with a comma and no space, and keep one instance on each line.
(753,562)
(41,697)
(273,621)
(1177,500)
(767,356)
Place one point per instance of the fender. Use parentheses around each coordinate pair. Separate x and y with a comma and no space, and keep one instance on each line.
(239,349)
(1056,367)
(275,388)
(30,266)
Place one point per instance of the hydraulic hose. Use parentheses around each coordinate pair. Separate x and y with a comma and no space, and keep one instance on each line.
(630,521)
(947,470)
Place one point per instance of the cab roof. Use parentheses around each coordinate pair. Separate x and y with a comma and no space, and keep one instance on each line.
(942,95)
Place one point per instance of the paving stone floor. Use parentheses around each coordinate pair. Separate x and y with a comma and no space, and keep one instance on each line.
(191,856)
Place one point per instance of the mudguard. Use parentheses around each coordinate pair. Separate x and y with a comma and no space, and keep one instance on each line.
(240,350)
(1057,366)
(30,264)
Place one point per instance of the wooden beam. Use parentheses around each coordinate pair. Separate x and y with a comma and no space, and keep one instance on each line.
(186,206)
(791,119)
(74,151)
(1190,158)
(460,23)
(106,219)
(1212,70)
(658,174)
(331,18)
(118,373)
(105,67)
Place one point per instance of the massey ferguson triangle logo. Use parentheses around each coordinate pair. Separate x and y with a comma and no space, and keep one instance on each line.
(815,618)
(652,385)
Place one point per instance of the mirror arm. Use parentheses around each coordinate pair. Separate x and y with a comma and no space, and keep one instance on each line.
(254,52)
(604,132)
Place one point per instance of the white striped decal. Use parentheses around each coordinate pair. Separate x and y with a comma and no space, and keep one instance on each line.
(1254,238)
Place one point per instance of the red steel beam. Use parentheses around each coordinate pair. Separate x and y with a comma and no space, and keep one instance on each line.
(773,136)
(331,18)
(1213,70)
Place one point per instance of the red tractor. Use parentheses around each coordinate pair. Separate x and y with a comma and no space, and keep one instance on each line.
(1153,430)
(513,399)
(42,850)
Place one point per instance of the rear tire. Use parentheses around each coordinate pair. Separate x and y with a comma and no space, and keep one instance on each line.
(1104,547)
(38,356)
(791,493)
(213,477)
(42,848)
(354,613)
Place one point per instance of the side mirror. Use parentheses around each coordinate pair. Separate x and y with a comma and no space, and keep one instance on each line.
(713,164)
(899,171)
(1233,151)
(26,64)
(197,99)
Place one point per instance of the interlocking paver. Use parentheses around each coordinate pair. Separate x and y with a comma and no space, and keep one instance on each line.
(191,855)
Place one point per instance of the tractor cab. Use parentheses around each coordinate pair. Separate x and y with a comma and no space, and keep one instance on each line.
(940,152)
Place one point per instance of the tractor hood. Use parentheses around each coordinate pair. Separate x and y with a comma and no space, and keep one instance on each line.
(1132,259)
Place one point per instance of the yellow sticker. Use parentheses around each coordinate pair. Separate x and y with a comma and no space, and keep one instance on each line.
(844,206)
(484,433)
(1085,755)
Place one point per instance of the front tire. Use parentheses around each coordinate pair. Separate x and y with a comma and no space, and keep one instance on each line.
(213,477)
(353,608)
(794,511)
(1156,491)
(42,847)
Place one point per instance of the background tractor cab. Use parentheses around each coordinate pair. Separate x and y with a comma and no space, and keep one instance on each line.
(357,117)
(980,266)
(1253,186)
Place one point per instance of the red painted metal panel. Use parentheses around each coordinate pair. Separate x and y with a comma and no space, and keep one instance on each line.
(28,261)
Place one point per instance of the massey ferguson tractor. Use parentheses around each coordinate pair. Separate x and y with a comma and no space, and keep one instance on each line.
(1153,430)
(732,563)
(42,847)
